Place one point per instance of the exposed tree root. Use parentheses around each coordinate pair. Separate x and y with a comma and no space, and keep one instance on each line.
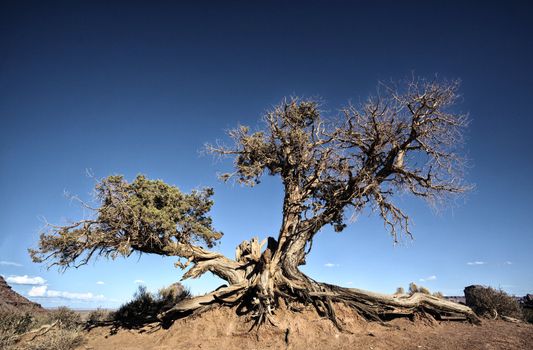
(265,288)
(375,306)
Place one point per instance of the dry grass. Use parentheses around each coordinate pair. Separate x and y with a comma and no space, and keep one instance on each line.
(59,329)
(57,339)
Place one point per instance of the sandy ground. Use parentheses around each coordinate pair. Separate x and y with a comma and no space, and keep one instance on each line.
(222,329)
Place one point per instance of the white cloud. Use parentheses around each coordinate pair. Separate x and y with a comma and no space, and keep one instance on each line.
(26,280)
(100,282)
(508,263)
(331,265)
(10,263)
(476,263)
(139,281)
(38,291)
(43,292)
(429,278)
(349,283)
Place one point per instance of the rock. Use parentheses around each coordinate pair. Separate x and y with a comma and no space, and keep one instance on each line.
(12,301)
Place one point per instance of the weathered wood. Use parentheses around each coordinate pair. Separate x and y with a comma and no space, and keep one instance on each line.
(263,282)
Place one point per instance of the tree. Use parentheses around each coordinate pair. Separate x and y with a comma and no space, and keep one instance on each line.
(403,140)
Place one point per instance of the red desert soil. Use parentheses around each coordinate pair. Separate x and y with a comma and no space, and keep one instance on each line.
(223,329)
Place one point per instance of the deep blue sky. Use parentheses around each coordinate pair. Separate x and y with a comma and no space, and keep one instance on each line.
(134,87)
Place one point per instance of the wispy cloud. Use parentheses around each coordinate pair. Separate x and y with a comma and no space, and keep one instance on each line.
(44,292)
(476,263)
(9,263)
(100,282)
(508,263)
(331,265)
(139,281)
(429,278)
(349,283)
(26,280)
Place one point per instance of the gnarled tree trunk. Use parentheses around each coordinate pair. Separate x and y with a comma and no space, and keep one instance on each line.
(264,279)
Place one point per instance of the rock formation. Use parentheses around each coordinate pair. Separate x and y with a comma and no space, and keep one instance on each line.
(11,300)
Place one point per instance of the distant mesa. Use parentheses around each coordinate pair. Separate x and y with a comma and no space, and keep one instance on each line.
(12,301)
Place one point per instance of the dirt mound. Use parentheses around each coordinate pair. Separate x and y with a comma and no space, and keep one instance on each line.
(11,300)
(221,328)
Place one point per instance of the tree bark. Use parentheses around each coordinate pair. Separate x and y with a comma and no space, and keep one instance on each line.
(259,280)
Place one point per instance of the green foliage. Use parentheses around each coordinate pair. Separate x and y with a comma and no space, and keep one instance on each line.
(489,302)
(147,216)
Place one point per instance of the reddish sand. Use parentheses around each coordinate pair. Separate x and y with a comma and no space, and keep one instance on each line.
(222,329)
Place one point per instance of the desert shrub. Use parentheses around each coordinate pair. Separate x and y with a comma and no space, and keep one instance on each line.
(489,302)
(438,295)
(12,324)
(16,321)
(137,311)
(413,288)
(57,339)
(97,316)
(527,308)
(68,318)
(65,335)
(527,314)
(170,295)
(145,306)
(423,290)
(400,290)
